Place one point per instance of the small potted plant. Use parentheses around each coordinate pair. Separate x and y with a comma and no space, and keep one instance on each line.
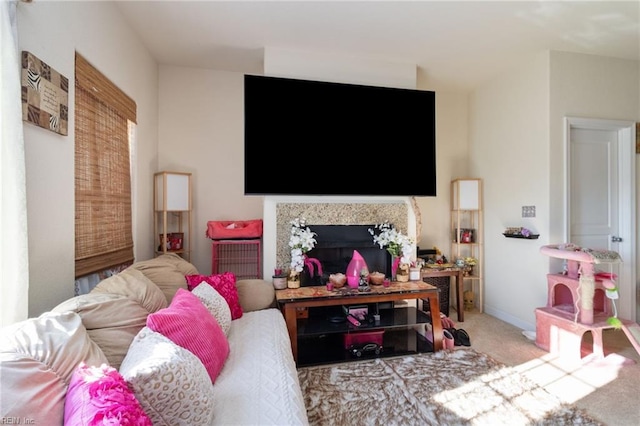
(469,263)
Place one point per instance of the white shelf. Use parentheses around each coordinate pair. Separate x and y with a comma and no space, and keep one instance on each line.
(172,213)
(467,233)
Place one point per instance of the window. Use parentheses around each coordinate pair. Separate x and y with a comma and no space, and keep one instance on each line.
(104,117)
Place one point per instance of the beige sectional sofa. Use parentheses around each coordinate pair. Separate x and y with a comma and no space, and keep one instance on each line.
(258,382)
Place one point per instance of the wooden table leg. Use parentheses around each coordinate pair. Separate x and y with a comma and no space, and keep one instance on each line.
(436,323)
(459,295)
(291,318)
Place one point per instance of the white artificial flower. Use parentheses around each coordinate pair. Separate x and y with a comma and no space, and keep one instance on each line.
(396,243)
(302,240)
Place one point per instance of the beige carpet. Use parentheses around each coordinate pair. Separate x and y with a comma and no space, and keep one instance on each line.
(455,387)
(609,393)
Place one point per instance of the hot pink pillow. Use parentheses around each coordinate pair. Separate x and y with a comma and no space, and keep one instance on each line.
(100,396)
(188,324)
(225,284)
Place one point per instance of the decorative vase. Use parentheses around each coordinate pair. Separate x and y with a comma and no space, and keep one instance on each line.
(402,274)
(357,267)
(293,281)
(395,262)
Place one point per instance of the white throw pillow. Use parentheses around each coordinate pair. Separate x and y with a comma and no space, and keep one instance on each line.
(37,359)
(170,382)
(215,304)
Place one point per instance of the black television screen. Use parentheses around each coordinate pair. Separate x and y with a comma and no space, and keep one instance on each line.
(318,138)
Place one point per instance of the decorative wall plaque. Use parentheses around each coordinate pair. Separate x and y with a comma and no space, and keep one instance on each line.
(45,95)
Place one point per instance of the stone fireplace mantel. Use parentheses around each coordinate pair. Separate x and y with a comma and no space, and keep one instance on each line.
(279,211)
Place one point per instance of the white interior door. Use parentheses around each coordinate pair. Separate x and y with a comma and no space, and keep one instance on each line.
(593,205)
(601,188)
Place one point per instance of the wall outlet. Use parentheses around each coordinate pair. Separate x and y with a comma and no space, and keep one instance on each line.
(528,211)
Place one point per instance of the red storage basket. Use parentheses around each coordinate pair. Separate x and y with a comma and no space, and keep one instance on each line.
(234,229)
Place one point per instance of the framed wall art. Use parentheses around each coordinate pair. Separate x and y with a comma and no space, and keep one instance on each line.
(45,95)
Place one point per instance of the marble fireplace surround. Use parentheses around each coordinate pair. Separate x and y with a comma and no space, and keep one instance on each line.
(279,211)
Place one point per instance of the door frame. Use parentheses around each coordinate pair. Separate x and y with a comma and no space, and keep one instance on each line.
(626,195)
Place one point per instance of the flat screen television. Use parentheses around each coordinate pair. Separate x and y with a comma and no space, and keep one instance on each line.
(305,137)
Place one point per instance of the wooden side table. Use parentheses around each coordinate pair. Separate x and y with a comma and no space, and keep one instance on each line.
(449,272)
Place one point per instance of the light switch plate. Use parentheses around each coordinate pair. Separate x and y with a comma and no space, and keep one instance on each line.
(528,211)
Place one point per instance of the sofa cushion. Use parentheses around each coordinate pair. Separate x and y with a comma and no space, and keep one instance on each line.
(37,359)
(256,294)
(100,395)
(187,323)
(135,285)
(225,284)
(111,320)
(170,382)
(215,304)
(167,271)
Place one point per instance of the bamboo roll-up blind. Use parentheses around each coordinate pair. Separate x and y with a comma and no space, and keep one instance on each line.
(108,93)
(103,220)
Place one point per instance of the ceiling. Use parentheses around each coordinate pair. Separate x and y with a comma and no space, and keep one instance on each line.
(456,45)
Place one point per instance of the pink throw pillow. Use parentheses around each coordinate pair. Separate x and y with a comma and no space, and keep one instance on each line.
(100,396)
(225,284)
(188,324)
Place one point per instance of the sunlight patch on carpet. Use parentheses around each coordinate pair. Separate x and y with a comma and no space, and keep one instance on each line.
(571,380)
(457,387)
(496,396)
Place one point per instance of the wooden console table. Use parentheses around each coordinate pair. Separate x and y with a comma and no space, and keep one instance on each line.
(290,300)
(458,273)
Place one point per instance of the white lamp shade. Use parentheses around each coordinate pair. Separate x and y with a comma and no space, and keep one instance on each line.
(467,194)
(172,191)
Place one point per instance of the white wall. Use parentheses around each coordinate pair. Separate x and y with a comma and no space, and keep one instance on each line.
(516,146)
(509,150)
(53,31)
(452,158)
(592,87)
(201,131)
(339,68)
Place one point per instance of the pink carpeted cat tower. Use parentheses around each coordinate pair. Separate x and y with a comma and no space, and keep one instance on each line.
(580,301)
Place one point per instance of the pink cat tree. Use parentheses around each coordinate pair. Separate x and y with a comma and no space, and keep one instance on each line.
(577,302)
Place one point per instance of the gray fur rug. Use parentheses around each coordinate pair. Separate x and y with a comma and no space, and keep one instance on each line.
(452,387)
